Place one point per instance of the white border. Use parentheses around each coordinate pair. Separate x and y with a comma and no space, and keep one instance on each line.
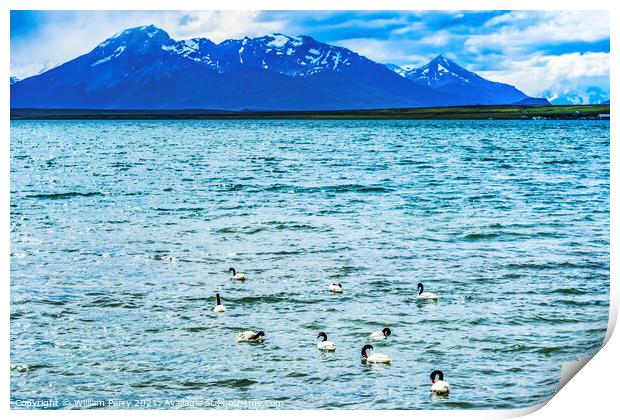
(592,393)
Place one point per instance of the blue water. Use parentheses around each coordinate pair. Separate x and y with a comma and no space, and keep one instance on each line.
(123,231)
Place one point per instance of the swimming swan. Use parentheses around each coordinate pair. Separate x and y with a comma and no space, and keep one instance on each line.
(380,335)
(219,307)
(324,344)
(250,337)
(425,295)
(335,288)
(235,275)
(374,357)
(440,387)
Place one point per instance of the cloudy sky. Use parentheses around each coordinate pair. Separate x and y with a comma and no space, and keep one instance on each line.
(538,51)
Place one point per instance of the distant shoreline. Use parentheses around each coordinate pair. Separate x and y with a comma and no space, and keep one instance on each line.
(496,112)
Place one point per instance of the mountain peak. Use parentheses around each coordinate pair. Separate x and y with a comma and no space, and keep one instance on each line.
(439,71)
(141,40)
(445,75)
(140,34)
(150,31)
(279,40)
(445,63)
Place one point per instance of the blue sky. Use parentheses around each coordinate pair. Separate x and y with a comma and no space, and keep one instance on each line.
(538,51)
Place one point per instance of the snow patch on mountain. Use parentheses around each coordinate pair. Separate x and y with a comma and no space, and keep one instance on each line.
(401,71)
(438,72)
(445,75)
(116,53)
(278,40)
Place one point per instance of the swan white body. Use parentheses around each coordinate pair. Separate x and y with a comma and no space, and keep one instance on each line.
(377,335)
(246,336)
(425,295)
(440,387)
(235,275)
(326,346)
(381,335)
(335,288)
(374,357)
(378,358)
(219,307)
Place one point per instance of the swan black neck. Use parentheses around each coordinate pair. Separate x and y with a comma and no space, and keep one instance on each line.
(323,335)
(365,350)
(233,271)
(340,285)
(217,296)
(257,335)
(420,288)
(436,373)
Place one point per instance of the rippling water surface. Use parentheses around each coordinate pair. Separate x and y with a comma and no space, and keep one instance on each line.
(122,232)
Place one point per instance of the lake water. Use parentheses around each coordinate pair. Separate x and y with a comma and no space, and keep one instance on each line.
(123,231)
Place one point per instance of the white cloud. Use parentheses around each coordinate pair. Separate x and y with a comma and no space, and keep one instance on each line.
(510,17)
(383,51)
(437,39)
(561,72)
(533,29)
(221,25)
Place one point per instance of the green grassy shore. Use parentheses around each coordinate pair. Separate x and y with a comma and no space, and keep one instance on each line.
(503,112)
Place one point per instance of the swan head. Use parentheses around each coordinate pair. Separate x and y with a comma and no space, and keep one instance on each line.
(322,334)
(420,288)
(435,374)
(232,270)
(339,285)
(387,332)
(257,335)
(365,350)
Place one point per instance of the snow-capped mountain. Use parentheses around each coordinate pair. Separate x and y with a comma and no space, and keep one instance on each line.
(144,68)
(291,56)
(580,95)
(402,71)
(445,75)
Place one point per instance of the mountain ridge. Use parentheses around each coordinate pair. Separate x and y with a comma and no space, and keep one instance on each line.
(144,67)
(445,75)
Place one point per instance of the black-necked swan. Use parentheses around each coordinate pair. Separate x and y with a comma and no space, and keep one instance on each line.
(235,275)
(219,307)
(335,288)
(425,295)
(440,386)
(250,336)
(374,357)
(380,335)
(324,344)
